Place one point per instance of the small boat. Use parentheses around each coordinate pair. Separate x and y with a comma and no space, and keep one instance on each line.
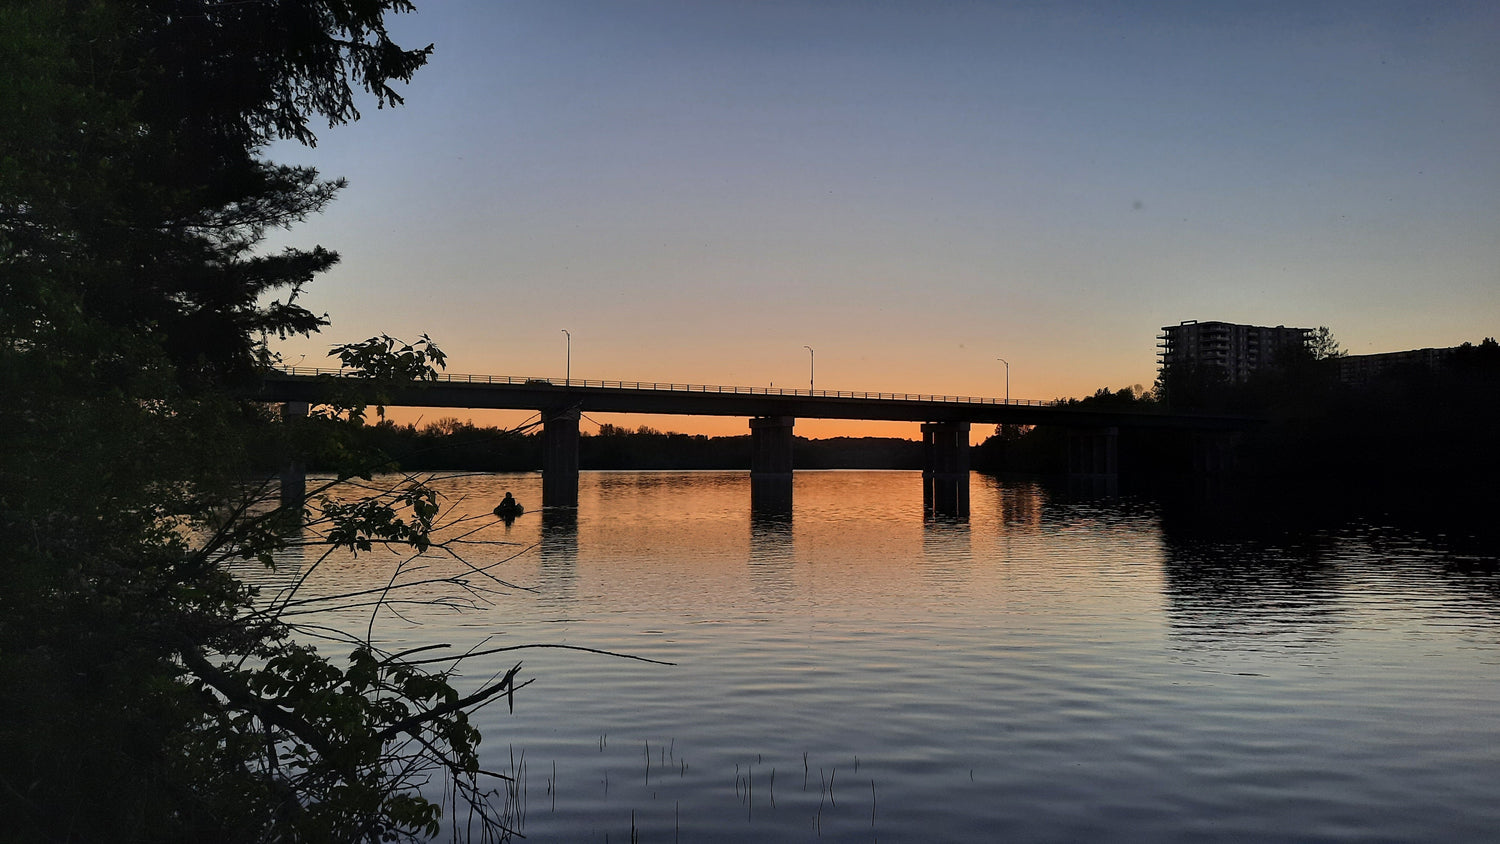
(509,508)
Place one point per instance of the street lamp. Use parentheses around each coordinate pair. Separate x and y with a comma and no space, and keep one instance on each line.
(568,377)
(1007,378)
(809,368)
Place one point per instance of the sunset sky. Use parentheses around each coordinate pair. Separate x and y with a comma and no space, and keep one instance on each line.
(698,190)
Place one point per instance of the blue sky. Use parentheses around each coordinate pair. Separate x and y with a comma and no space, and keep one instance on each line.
(698,190)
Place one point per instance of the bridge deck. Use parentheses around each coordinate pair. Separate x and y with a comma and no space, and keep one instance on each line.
(524,393)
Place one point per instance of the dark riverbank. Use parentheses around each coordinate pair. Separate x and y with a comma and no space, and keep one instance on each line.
(1414,434)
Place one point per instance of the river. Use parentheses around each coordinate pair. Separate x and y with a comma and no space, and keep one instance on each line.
(1052,668)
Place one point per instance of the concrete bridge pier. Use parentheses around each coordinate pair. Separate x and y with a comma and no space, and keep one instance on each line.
(1214,452)
(560,457)
(294,471)
(945,468)
(1094,451)
(1094,461)
(771,464)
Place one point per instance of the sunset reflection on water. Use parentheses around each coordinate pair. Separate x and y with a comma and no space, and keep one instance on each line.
(1051,668)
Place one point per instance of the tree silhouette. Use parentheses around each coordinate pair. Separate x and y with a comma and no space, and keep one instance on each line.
(149,694)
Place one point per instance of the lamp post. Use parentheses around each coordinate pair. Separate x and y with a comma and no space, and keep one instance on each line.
(810,358)
(568,376)
(1007,378)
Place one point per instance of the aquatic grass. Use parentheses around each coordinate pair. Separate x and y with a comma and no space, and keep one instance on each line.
(646,798)
(481,815)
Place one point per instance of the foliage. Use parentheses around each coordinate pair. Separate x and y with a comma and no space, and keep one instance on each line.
(384,358)
(1322,346)
(377,366)
(149,693)
(132,189)
(1134,397)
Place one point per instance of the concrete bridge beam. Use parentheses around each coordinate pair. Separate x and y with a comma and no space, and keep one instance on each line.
(560,458)
(771,442)
(945,468)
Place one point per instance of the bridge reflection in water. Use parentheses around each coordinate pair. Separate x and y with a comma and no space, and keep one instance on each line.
(945,424)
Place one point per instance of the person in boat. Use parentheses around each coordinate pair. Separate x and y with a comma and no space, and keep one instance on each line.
(508,506)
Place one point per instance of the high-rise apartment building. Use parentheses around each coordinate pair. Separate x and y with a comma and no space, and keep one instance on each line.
(1233,350)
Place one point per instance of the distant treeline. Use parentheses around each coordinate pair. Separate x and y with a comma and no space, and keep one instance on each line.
(451,444)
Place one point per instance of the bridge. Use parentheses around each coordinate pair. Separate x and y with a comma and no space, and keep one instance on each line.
(772,412)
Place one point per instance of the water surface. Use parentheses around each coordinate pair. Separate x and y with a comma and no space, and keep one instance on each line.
(1050,669)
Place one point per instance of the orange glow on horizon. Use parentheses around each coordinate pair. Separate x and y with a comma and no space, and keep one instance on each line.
(713,426)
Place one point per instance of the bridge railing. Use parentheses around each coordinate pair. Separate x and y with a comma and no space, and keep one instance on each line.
(457,378)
